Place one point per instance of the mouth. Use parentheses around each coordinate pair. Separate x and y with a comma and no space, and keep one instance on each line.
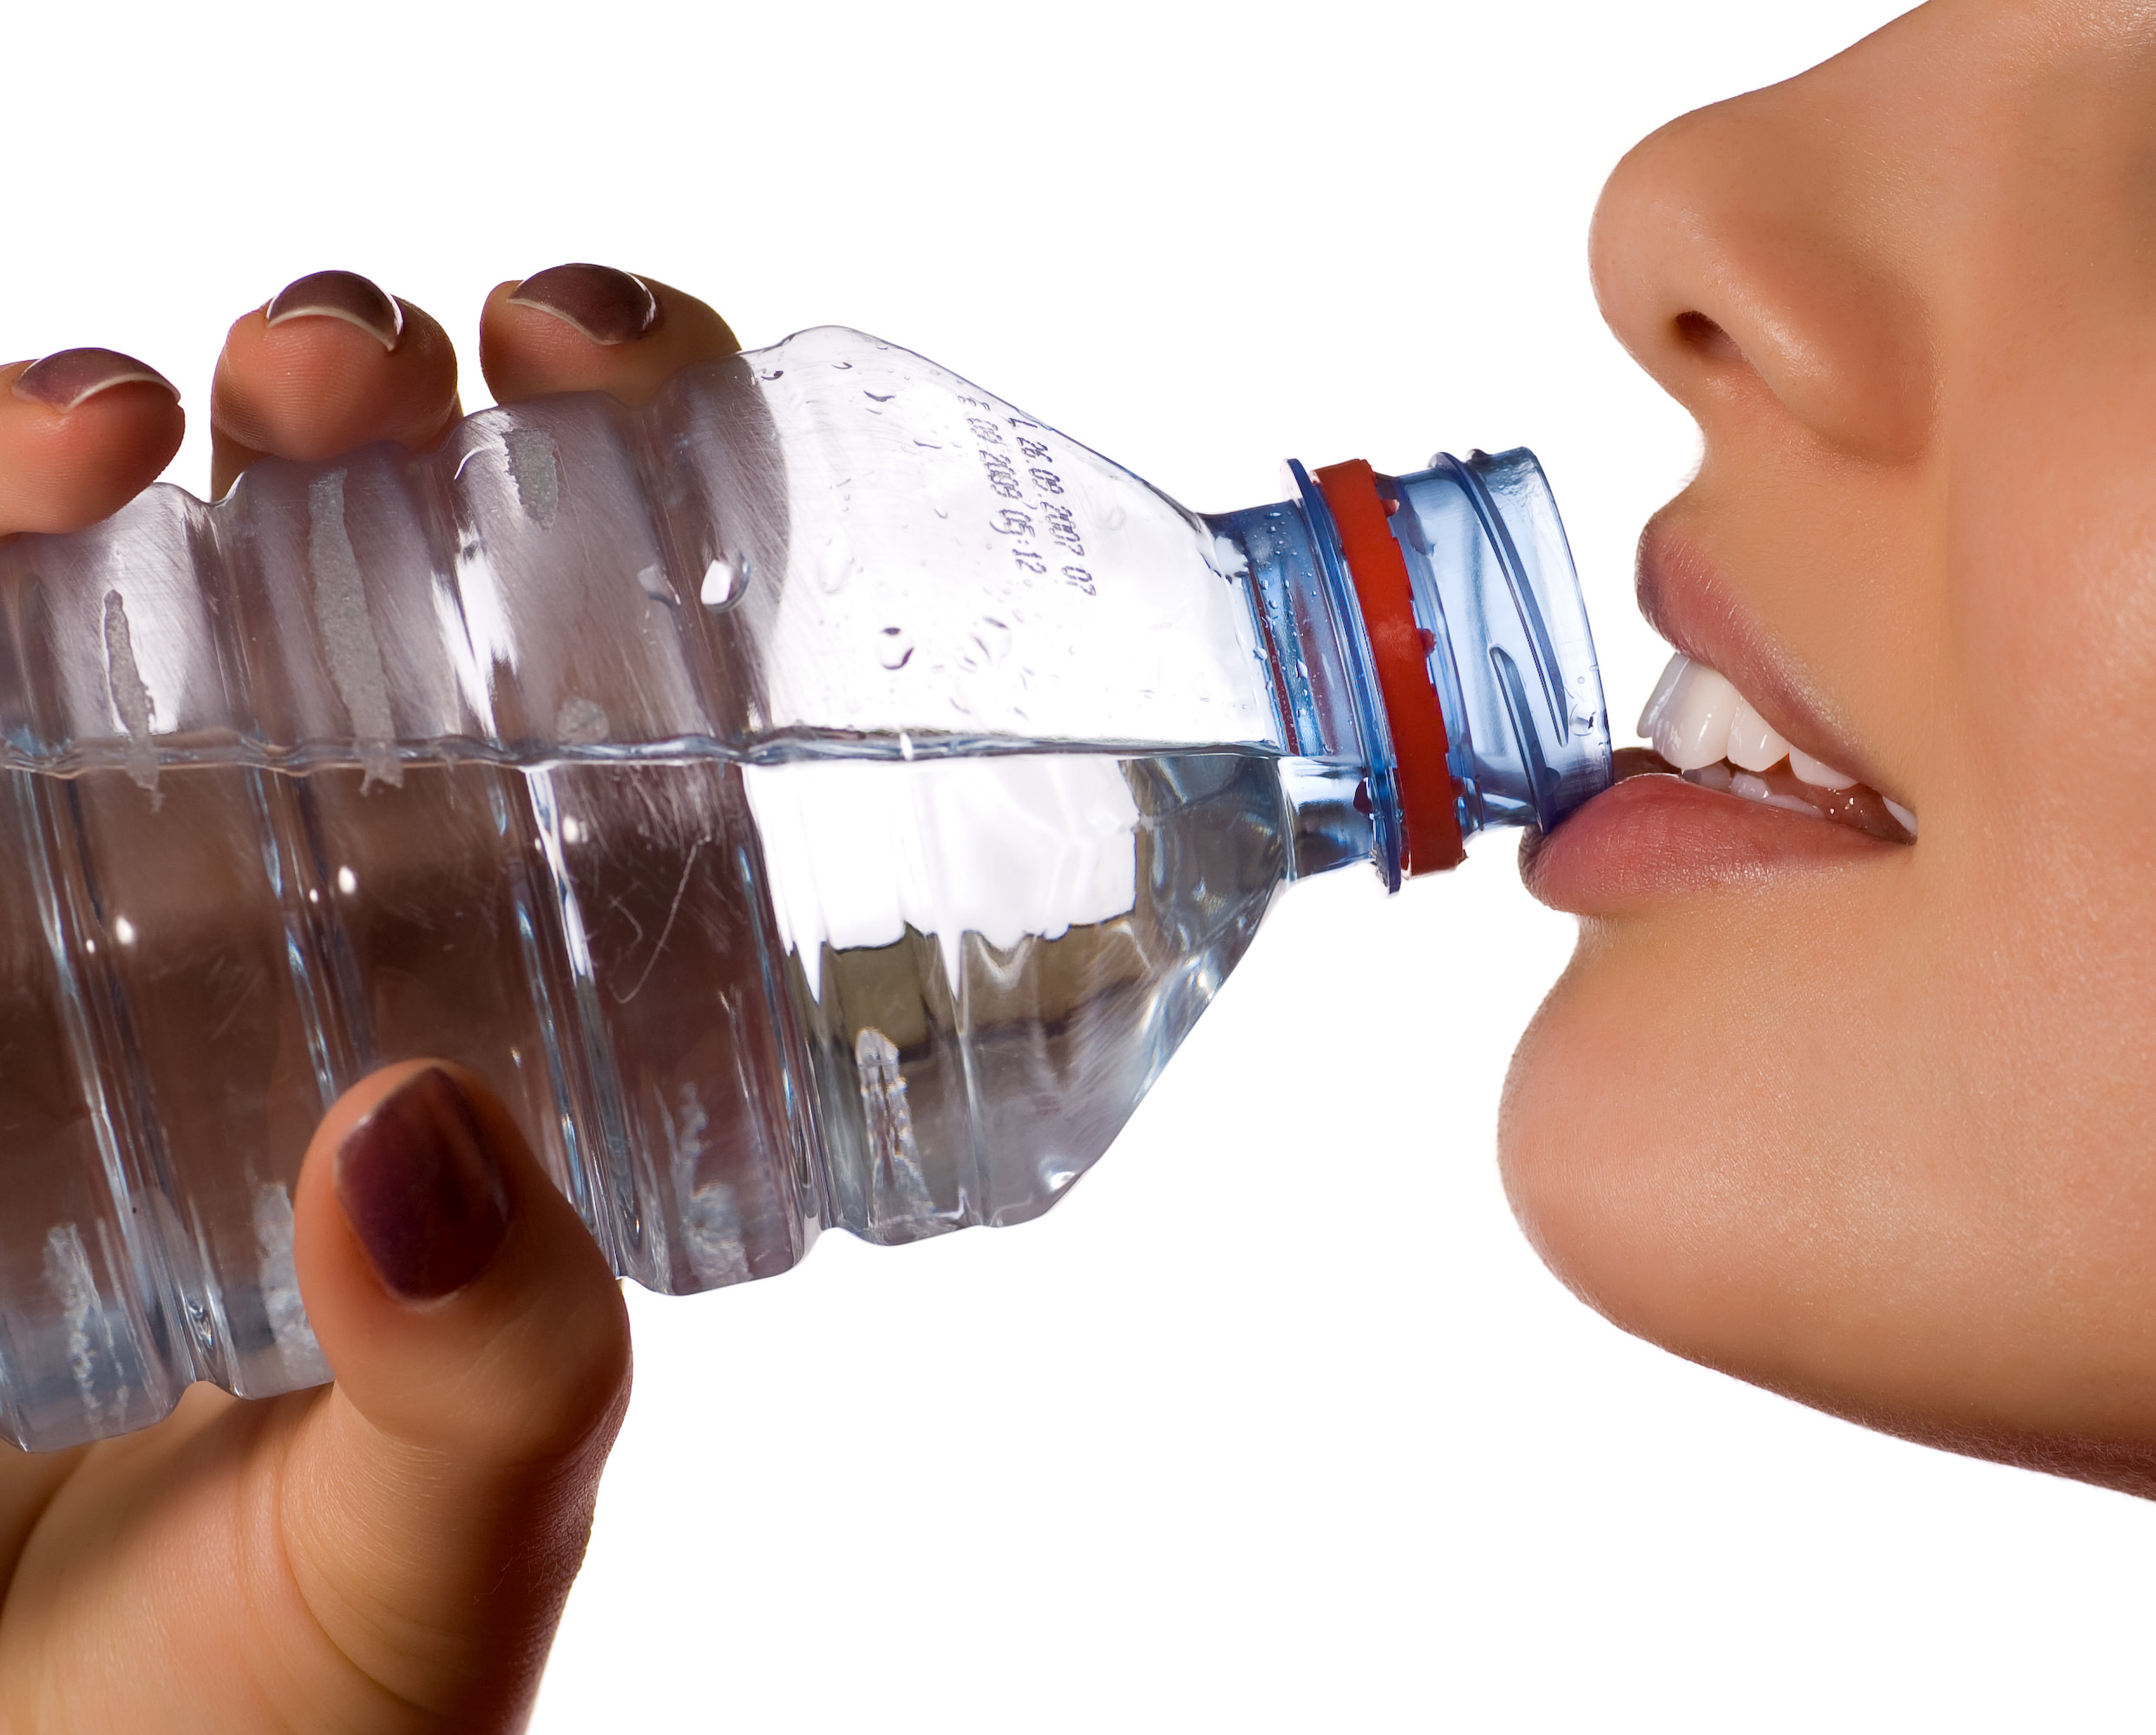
(1743,778)
(1711,734)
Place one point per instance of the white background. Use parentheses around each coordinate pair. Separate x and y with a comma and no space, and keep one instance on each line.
(1276,1424)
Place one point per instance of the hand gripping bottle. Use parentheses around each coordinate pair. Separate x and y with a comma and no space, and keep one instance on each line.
(824,797)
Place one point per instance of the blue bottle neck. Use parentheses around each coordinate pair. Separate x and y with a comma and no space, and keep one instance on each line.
(1505,648)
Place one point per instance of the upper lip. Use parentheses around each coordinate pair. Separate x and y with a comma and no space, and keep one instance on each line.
(1686,599)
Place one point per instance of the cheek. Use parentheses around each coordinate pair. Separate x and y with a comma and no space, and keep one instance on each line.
(2046,659)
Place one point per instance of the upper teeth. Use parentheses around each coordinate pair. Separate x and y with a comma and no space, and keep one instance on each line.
(1695,717)
(1818,771)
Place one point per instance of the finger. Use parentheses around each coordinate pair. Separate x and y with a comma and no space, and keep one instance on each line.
(592,328)
(435,1508)
(81,433)
(331,362)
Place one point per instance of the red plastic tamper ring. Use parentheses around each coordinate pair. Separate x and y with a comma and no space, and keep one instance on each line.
(1379,570)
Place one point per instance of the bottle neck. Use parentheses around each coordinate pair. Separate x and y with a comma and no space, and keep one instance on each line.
(1429,652)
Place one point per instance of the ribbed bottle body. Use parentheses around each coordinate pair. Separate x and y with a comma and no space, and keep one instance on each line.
(824,799)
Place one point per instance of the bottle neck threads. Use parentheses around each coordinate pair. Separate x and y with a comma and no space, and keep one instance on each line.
(1428,630)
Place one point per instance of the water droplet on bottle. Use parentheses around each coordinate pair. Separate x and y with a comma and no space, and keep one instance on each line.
(833,563)
(894,646)
(581,723)
(1585,712)
(724,581)
(992,639)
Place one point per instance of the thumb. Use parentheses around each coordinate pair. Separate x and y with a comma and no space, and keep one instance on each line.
(436,1506)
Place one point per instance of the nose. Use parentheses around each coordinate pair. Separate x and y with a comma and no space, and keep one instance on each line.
(1757,259)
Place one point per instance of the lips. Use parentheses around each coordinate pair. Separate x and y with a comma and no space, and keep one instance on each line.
(1744,781)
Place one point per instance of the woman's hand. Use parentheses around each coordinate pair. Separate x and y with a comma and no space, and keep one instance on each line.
(391,1551)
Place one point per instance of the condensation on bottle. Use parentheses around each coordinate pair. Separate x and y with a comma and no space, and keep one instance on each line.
(825,797)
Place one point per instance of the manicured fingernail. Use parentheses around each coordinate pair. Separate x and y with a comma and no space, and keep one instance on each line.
(420,1185)
(66,377)
(606,305)
(341,295)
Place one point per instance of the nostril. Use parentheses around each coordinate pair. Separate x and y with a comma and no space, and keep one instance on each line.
(1701,335)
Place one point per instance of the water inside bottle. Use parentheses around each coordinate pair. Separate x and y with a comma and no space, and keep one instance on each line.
(729,1001)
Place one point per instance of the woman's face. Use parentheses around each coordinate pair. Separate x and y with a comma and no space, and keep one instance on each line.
(1869,1122)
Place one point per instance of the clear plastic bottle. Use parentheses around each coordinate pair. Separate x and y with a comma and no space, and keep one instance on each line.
(823,798)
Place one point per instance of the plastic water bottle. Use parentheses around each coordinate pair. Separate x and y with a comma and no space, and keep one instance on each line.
(825,797)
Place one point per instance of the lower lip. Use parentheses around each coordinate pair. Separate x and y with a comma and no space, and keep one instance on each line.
(1654,837)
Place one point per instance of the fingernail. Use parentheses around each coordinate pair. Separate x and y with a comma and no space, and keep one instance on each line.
(606,305)
(420,1186)
(66,377)
(341,295)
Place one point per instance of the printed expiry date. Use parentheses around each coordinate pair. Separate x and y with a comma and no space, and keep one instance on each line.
(1029,518)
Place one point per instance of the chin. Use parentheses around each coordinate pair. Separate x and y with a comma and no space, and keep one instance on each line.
(1750,1179)
(1610,1143)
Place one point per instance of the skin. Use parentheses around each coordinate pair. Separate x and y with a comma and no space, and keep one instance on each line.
(391,1553)
(1871,1126)
(1866,1121)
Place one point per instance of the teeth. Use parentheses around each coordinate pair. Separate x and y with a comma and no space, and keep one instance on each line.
(1757,788)
(1818,771)
(1753,745)
(1693,728)
(1658,701)
(1706,729)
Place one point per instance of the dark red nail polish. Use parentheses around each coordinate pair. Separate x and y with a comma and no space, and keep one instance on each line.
(341,295)
(420,1185)
(606,305)
(66,377)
